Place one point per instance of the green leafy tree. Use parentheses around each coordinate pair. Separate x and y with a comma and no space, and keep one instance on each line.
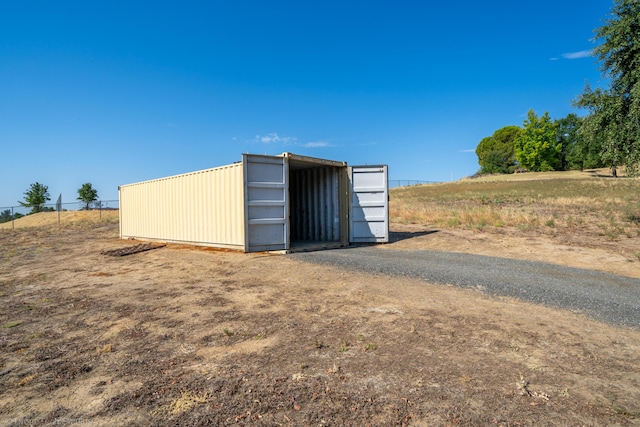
(576,152)
(87,194)
(36,196)
(614,113)
(5,216)
(536,147)
(496,152)
(494,163)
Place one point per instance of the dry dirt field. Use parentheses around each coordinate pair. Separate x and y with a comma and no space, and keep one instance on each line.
(191,336)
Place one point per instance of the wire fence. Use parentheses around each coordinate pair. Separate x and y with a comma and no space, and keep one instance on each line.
(13,213)
(96,209)
(393,183)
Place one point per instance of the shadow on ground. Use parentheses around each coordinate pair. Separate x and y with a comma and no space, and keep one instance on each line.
(397,236)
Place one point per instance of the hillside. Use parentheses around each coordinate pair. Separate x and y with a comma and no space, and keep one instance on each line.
(49,218)
(580,219)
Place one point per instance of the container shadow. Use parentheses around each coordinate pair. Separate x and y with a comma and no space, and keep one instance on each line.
(397,236)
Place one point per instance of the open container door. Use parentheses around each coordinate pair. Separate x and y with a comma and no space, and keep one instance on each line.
(369,207)
(266,183)
(318,203)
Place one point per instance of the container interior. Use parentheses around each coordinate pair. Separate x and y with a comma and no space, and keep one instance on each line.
(315,205)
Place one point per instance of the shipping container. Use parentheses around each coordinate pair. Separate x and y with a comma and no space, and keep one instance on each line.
(263,203)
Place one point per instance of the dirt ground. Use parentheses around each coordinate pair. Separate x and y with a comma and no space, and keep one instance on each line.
(587,250)
(191,336)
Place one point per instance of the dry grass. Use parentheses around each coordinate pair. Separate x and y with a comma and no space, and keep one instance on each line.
(547,203)
(66,217)
(185,402)
(170,337)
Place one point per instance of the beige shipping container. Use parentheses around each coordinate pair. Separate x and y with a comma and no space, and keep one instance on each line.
(263,203)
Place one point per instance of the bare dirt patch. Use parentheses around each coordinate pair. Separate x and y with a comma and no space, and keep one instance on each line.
(188,336)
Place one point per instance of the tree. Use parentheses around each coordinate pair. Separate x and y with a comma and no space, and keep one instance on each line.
(614,113)
(576,152)
(496,152)
(536,146)
(36,196)
(87,194)
(5,216)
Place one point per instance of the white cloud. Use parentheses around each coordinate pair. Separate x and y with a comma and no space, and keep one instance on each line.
(274,138)
(316,144)
(468,150)
(577,55)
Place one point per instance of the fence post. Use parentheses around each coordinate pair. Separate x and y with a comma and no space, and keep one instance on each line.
(13,224)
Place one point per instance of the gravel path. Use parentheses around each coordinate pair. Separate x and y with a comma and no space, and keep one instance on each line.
(607,297)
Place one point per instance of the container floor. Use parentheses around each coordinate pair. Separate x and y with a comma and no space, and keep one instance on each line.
(313,245)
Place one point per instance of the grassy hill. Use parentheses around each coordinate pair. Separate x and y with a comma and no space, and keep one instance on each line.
(589,204)
(49,218)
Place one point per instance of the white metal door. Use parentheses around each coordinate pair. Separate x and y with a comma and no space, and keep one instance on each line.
(266,182)
(369,207)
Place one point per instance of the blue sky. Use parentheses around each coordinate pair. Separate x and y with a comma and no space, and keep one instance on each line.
(119,92)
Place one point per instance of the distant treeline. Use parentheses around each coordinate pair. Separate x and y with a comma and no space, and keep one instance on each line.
(608,135)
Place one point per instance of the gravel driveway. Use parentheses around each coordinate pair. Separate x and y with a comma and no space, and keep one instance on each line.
(607,297)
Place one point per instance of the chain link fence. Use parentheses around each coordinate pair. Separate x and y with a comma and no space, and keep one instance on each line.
(393,183)
(95,210)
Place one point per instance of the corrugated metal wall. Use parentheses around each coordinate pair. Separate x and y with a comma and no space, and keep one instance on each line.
(266,203)
(369,210)
(314,201)
(204,207)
